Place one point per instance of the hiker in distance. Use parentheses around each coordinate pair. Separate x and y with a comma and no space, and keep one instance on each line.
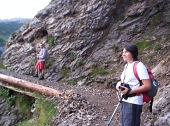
(40,65)
(130,88)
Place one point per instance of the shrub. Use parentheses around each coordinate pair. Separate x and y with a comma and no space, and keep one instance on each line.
(11,99)
(158,47)
(79,63)
(48,63)
(72,82)
(51,41)
(156,18)
(4,92)
(72,54)
(121,17)
(45,110)
(2,66)
(98,70)
(24,104)
(65,72)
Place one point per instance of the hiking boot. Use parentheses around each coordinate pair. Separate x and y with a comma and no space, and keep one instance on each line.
(36,75)
(42,77)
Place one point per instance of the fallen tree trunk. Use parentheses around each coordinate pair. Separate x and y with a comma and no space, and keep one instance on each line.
(29,85)
(28,93)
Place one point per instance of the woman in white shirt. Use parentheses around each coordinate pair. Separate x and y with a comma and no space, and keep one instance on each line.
(131,105)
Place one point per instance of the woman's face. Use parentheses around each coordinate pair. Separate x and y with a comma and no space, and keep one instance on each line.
(41,46)
(127,56)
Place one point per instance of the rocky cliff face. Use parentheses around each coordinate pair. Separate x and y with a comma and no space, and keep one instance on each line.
(83,36)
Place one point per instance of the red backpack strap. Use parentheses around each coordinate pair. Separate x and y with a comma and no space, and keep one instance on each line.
(136,74)
(135,70)
(150,74)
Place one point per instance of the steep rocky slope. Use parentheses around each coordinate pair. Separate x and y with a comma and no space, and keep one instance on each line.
(85,40)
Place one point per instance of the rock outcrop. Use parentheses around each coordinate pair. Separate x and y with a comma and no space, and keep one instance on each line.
(84,35)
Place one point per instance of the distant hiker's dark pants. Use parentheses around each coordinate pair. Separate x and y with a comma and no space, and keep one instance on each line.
(130,114)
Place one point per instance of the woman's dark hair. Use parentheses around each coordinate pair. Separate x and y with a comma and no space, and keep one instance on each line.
(133,49)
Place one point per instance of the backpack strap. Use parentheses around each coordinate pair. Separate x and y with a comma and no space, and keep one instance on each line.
(136,74)
(135,71)
(150,107)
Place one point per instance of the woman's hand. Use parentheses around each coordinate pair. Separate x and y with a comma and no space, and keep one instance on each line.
(125,90)
(117,85)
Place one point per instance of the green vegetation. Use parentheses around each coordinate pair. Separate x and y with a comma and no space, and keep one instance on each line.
(79,63)
(51,41)
(2,41)
(87,30)
(121,17)
(45,110)
(72,54)
(84,38)
(4,92)
(158,47)
(115,48)
(24,104)
(112,71)
(98,70)
(143,44)
(48,63)
(11,99)
(72,82)
(2,66)
(34,61)
(65,72)
(156,18)
(135,30)
(7,28)
(149,57)
(27,24)
(81,22)
(102,43)
(52,0)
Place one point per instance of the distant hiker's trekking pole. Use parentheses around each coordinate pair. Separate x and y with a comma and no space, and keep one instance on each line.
(120,99)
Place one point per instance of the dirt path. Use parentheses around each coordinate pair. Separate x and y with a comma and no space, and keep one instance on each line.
(104,99)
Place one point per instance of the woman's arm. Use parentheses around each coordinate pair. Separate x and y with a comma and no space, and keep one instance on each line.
(146,85)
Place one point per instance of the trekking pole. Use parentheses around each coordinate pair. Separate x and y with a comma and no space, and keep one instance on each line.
(118,96)
(120,99)
(115,110)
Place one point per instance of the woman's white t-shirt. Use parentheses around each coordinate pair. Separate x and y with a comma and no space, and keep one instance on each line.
(128,77)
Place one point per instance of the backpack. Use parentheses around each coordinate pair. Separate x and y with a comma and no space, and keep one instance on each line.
(150,94)
(47,57)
